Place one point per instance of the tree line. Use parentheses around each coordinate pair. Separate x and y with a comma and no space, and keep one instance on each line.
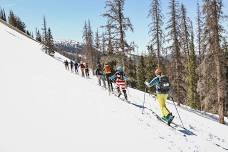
(45,38)
(193,58)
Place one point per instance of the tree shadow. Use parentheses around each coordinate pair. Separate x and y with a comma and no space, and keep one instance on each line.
(204,114)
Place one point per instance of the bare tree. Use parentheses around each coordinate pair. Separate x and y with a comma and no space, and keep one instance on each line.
(156,25)
(184,31)
(88,45)
(173,36)
(212,9)
(103,44)
(118,22)
(199,32)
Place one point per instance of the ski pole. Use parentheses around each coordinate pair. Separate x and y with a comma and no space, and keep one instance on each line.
(144,100)
(127,88)
(177,112)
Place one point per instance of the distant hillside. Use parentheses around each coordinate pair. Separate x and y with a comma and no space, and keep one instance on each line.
(69,46)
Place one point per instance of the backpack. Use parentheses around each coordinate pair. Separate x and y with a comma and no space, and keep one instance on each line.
(108,69)
(120,75)
(164,85)
(82,66)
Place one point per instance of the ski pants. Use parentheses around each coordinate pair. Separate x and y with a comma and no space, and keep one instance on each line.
(162,103)
(110,87)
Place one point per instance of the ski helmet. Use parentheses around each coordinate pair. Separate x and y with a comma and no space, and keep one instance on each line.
(119,68)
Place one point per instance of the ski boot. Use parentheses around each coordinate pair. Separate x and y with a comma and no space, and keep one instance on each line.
(170,118)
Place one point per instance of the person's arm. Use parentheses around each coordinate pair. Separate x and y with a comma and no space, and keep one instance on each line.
(125,77)
(112,77)
(154,81)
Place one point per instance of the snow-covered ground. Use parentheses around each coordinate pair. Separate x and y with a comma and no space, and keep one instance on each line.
(44,108)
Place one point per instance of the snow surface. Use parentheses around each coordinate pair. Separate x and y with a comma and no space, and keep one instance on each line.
(44,108)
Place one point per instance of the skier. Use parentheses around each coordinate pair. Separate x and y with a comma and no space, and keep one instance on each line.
(108,73)
(120,79)
(71,65)
(100,75)
(76,67)
(162,88)
(82,67)
(87,70)
(66,65)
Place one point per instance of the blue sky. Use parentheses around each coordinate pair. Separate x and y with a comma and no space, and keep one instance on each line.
(67,17)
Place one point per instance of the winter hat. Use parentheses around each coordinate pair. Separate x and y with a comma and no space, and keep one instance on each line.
(119,68)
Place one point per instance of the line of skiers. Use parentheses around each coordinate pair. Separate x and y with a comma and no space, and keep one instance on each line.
(74,67)
(161,82)
(107,74)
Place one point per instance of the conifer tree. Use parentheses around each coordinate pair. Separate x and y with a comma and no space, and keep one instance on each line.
(97,46)
(141,74)
(20,25)
(45,35)
(3,15)
(28,33)
(150,65)
(12,19)
(16,22)
(192,95)
(156,25)
(38,36)
(131,72)
(50,42)
(185,43)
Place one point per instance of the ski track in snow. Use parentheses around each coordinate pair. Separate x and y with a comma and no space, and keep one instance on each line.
(45,108)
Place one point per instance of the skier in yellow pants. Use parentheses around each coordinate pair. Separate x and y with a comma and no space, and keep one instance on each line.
(162,100)
(162,88)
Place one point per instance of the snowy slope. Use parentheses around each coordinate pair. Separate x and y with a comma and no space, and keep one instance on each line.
(44,108)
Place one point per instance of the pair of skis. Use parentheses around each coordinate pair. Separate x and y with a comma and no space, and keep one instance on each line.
(180,129)
(169,120)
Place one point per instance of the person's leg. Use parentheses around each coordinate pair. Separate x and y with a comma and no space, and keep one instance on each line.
(162,102)
(99,80)
(125,93)
(103,79)
(83,73)
(118,90)
(110,82)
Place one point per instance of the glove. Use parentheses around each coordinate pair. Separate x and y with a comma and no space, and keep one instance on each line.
(147,84)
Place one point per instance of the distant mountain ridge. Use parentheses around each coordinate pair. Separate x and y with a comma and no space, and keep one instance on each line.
(69,46)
